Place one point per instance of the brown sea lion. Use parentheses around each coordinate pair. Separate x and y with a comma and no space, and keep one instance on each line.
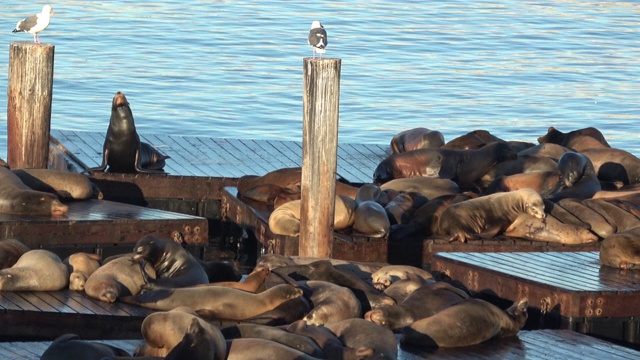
(553,151)
(123,152)
(331,302)
(427,186)
(163,330)
(285,220)
(599,225)
(118,277)
(401,208)
(401,289)
(416,138)
(370,218)
(549,229)
(359,333)
(69,346)
(614,165)
(579,179)
(216,301)
(174,266)
(622,250)
(17,198)
(578,140)
(519,165)
(389,274)
(544,182)
(489,215)
(10,252)
(472,140)
(254,348)
(282,336)
(329,342)
(425,301)
(65,184)
(35,270)
(461,166)
(81,265)
(469,322)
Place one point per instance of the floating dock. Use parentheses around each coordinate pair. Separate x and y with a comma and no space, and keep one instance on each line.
(570,290)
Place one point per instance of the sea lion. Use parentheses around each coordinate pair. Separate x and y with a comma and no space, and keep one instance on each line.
(329,342)
(254,348)
(123,152)
(622,219)
(35,270)
(544,182)
(553,151)
(69,346)
(472,140)
(461,166)
(360,333)
(19,199)
(469,322)
(401,208)
(10,252)
(118,277)
(519,165)
(66,185)
(331,302)
(577,140)
(163,330)
(416,138)
(560,213)
(614,165)
(424,302)
(489,215)
(285,220)
(389,274)
(402,288)
(370,218)
(621,250)
(282,336)
(216,301)
(81,265)
(549,229)
(429,187)
(579,179)
(599,225)
(174,266)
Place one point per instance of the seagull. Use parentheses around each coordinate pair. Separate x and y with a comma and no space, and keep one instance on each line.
(317,38)
(35,23)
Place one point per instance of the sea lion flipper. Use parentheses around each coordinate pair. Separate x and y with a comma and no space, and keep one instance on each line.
(103,166)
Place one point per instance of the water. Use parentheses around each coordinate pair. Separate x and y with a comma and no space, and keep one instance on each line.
(234,68)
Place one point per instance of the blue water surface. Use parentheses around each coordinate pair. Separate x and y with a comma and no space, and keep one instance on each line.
(234,68)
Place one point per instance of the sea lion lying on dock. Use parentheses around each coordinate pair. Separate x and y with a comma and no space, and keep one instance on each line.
(577,140)
(300,342)
(416,138)
(469,322)
(359,333)
(19,199)
(389,274)
(285,220)
(66,185)
(81,265)
(69,346)
(622,250)
(121,276)
(35,270)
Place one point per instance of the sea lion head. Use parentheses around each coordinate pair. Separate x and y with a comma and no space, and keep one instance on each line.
(534,205)
(553,136)
(77,280)
(383,173)
(571,166)
(121,115)
(7,281)
(149,248)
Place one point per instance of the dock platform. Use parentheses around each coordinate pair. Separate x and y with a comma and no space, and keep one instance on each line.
(46,315)
(254,217)
(527,345)
(570,290)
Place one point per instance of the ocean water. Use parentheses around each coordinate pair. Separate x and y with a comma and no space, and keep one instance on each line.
(234,68)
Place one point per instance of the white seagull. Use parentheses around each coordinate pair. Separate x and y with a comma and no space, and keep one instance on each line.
(317,38)
(35,23)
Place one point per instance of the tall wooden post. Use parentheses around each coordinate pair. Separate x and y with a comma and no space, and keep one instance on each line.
(29,96)
(319,155)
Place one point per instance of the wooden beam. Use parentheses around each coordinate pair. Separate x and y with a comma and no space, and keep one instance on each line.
(321,95)
(29,97)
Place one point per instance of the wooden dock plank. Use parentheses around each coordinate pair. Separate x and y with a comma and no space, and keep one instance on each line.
(226,158)
(101,222)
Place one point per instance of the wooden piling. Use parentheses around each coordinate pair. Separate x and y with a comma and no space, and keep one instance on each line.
(29,96)
(321,95)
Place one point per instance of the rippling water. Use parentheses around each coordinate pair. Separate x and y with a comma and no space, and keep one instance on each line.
(234,68)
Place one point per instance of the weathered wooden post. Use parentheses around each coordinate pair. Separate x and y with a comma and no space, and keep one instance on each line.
(319,155)
(29,95)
